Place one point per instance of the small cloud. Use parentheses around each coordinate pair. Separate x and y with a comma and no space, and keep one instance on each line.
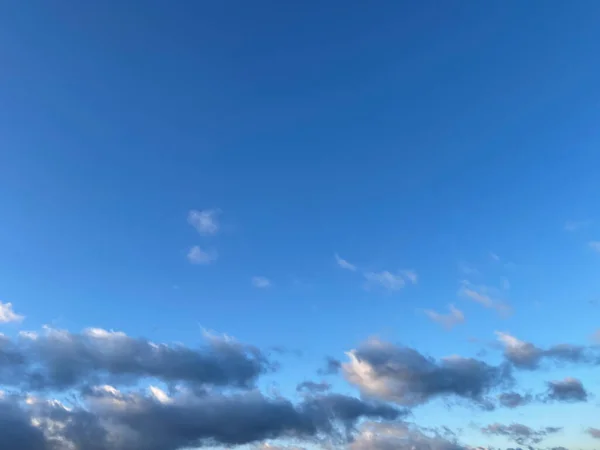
(198,256)
(595,245)
(448,321)
(594,432)
(390,281)
(576,225)
(484,295)
(205,222)
(344,264)
(261,282)
(8,315)
(568,390)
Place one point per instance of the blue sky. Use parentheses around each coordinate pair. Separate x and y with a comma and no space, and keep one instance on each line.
(172,168)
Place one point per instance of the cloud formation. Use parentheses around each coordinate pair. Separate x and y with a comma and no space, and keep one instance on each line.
(404,376)
(206,222)
(525,355)
(567,390)
(7,314)
(58,360)
(449,320)
(261,282)
(344,264)
(519,433)
(198,256)
(390,281)
(513,399)
(486,296)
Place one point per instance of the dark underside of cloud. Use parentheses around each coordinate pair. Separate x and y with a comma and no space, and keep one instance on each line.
(124,393)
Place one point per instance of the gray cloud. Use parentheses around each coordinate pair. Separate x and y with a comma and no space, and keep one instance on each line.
(519,433)
(109,419)
(594,432)
(312,386)
(332,366)
(567,390)
(525,355)
(57,359)
(402,436)
(405,376)
(513,399)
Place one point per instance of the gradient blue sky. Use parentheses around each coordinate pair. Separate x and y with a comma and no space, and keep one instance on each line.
(458,140)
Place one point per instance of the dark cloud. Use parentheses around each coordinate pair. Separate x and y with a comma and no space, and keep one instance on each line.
(519,433)
(111,420)
(513,399)
(525,355)
(312,386)
(405,376)
(16,429)
(57,359)
(594,432)
(567,390)
(332,366)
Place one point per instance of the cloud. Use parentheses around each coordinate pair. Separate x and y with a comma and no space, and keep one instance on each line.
(8,315)
(567,390)
(198,256)
(390,281)
(404,376)
(261,282)
(106,418)
(59,360)
(344,264)
(485,296)
(513,399)
(448,321)
(594,432)
(594,245)
(205,222)
(576,225)
(525,355)
(519,433)
(401,436)
(313,387)
(332,366)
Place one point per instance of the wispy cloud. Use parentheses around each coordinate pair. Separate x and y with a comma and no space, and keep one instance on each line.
(391,281)
(206,221)
(494,256)
(261,282)
(595,245)
(198,256)
(576,225)
(344,264)
(484,295)
(448,321)
(8,315)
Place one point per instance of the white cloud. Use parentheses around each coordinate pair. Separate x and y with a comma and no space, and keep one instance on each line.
(261,282)
(198,256)
(344,264)
(594,245)
(205,222)
(576,225)
(8,315)
(410,275)
(453,318)
(386,280)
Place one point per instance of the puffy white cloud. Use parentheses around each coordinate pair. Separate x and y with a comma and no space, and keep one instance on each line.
(206,222)
(7,313)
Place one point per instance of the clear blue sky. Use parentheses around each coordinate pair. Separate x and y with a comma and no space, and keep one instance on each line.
(457,141)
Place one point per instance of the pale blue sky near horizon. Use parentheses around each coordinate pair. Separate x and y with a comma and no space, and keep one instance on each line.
(458,140)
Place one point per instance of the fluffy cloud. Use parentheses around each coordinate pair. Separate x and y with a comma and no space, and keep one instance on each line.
(344,264)
(525,355)
(405,376)
(391,281)
(513,399)
(108,419)
(58,359)
(567,390)
(205,222)
(448,321)
(402,436)
(198,256)
(8,315)
(261,282)
(519,433)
